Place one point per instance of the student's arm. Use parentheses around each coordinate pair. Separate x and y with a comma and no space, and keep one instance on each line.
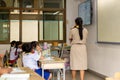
(5,70)
(2,55)
(41,57)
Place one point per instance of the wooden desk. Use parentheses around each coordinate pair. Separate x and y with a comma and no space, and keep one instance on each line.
(56,63)
(33,75)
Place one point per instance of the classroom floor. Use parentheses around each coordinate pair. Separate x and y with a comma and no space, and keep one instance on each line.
(88,76)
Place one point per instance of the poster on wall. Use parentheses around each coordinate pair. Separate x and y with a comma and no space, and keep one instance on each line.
(85,12)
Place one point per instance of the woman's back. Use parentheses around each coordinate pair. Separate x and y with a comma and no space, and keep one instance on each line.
(74,34)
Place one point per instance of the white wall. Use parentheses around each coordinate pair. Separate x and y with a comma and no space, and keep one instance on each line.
(102,58)
(71,13)
(3,48)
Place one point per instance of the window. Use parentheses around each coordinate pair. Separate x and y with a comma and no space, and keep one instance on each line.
(28,20)
(4,25)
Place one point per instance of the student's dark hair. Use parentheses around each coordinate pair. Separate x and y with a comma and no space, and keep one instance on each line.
(13,43)
(18,43)
(27,47)
(79,22)
(34,44)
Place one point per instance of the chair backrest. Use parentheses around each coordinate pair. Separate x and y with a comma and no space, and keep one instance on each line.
(1,61)
(62,50)
(19,60)
(6,58)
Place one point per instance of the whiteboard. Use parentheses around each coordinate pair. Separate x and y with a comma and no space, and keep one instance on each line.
(108,18)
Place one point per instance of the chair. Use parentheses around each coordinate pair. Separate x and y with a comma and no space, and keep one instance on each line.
(65,54)
(6,59)
(19,61)
(61,51)
(65,51)
(59,72)
(55,51)
(1,61)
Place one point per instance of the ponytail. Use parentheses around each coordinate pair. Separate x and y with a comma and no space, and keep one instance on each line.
(79,23)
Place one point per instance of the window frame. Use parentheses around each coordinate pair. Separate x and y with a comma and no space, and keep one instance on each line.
(37,9)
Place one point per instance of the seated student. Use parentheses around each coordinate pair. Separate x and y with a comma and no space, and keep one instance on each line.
(19,48)
(14,51)
(19,45)
(5,70)
(38,50)
(13,43)
(30,60)
(36,46)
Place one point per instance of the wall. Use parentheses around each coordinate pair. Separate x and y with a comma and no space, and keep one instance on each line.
(71,13)
(102,58)
(3,48)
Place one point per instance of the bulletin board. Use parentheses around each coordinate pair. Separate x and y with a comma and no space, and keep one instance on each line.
(108,21)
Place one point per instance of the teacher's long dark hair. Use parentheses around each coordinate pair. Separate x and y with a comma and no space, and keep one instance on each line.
(79,23)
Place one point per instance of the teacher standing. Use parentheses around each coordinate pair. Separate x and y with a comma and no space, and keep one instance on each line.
(78,53)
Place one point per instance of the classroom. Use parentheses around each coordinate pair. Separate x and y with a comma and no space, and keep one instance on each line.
(35,20)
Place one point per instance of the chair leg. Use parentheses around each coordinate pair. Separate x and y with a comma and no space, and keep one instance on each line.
(53,76)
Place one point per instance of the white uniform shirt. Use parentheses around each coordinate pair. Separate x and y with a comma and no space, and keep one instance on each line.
(30,60)
(12,53)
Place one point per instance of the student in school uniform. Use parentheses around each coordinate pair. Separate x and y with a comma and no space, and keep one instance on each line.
(37,50)
(36,47)
(14,51)
(30,60)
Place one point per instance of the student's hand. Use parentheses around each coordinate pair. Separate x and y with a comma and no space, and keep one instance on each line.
(5,70)
(1,55)
(42,57)
(38,48)
(9,69)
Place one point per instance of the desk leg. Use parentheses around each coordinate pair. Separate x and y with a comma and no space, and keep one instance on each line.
(42,71)
(64,73)
(58,75)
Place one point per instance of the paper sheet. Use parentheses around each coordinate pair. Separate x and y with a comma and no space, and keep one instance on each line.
(17,70)
(15,77)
